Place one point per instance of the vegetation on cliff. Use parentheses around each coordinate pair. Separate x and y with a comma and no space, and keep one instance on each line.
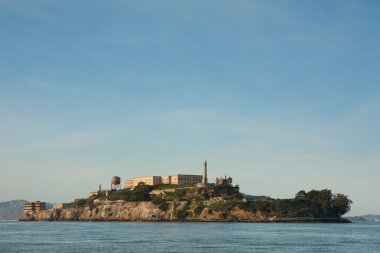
(318,204)
(225,202)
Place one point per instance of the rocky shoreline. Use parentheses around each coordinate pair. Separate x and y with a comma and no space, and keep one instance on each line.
(149,212)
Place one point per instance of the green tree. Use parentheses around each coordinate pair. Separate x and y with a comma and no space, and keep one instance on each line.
(198,210)
(319,202)
(181,214)
(141,192)
(301,195)
(325,198)
(341,204)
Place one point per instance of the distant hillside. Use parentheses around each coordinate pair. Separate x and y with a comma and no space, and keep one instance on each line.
(371,217)
(356,218)
(367,217)
(11,210)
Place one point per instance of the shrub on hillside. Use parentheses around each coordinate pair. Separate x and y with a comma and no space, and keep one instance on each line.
(181,214)
(78,203)
(163,206)
(198,210)
(222,206)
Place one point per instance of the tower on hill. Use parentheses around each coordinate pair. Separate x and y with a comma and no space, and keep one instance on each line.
(204,179)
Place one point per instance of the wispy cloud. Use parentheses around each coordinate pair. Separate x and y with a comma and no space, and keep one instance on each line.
(207,121)
(69,140)
(56,87)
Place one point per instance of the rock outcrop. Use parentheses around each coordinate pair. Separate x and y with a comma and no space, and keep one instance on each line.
(108,211)
(148,211)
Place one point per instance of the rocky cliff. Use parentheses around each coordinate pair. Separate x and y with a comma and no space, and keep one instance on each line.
(147,211)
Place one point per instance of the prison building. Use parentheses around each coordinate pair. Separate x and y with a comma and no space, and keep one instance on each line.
(34,206)
(179,179)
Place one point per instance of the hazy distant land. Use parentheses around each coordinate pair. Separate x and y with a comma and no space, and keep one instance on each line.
(11,210)
(367,217)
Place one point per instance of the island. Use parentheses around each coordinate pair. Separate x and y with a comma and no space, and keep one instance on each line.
(191,198)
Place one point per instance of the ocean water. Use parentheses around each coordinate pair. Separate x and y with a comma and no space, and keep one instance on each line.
(115,237)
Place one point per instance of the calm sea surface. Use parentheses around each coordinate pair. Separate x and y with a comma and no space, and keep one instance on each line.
(187,237)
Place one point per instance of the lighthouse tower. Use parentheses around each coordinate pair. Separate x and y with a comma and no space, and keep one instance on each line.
(204,179)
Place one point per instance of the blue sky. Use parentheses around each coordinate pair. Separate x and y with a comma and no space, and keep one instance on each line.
(280,95)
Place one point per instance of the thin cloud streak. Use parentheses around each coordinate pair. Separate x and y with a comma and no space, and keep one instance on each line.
(69,140)
(59,88)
